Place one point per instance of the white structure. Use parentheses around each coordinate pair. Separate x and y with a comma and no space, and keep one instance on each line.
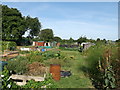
(86,45)
(25,49)
(25,78)
(47,44)
(33,44)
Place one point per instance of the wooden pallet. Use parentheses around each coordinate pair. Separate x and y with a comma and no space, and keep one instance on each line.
(8,55)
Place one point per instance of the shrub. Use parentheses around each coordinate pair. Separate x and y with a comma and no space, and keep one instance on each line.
(116,64)
(47,83)
(51,54)
(8,45)
(18,65)
(34,57)
(99,65)
(6,82)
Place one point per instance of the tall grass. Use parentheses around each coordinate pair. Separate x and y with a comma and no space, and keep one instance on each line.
(97,64)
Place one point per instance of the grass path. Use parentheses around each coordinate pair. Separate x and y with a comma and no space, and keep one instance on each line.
(78,79)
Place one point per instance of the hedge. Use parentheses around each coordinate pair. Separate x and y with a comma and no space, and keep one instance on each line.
(10,45)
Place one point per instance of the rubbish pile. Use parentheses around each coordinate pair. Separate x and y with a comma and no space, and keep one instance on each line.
(36,69)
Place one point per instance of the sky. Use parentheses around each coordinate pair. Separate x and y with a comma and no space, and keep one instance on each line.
(74,19)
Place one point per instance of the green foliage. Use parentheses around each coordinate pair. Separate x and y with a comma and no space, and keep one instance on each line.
(48,83)
(98,39)
(109,77)
(94,54)
(82,39)
(118,40)
(6,82)
(68,49)
(34,56)
(33,25)
(99,69)
(59,58)
(8,45)
(24,41)
(18,65)
(13,24)
(46,35)
(71,40)
(116,63)
(24,52)
(57,39)
(51,54)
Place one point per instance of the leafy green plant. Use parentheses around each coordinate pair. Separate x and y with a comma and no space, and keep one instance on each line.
(6,82)
(24,52)
(47,83)
(8,45)
(109,78)
(34,57)
(51,54)
(100,68)
(19,65)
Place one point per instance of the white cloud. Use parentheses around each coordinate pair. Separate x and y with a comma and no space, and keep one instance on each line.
(75,29)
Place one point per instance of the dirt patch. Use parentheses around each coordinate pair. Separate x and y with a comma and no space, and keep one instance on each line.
(37,69)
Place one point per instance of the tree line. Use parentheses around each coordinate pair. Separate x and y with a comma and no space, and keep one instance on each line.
(14,26)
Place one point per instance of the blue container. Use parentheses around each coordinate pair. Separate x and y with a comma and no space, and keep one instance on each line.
(42,50)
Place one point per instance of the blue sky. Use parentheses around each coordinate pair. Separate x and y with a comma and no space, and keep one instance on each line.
(74,19)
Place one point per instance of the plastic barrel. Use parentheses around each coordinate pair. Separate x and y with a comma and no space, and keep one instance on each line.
(55,70)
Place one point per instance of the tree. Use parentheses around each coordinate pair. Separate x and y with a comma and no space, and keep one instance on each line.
(71,40)
(118,40)
(98,39)
(57,39)
(104,41)
(46,35)
(91,40)
(13,24)
(81,39)
(33,25)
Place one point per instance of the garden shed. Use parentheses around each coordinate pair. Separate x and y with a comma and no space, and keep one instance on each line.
(38,43)
(47,44)
(53,44)
(86,45)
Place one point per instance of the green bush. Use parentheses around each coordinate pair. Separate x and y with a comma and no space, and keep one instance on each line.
(34,57)
(47,83)
(68,49)
(98,66)
(24,52)
(18,65)
(8,45)
(6,82)
(116,64)
(50,54)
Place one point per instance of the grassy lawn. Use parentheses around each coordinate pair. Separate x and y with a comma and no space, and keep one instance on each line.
(78,79)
